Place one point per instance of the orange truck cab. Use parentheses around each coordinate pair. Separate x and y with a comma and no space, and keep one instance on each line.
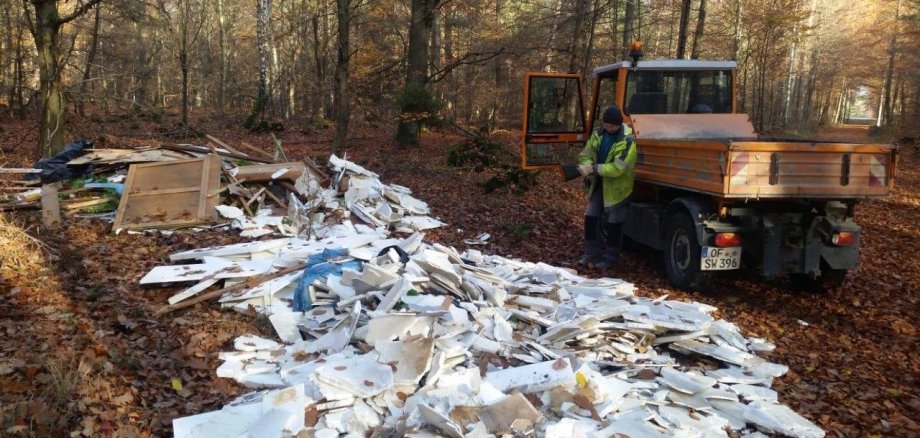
(710,193)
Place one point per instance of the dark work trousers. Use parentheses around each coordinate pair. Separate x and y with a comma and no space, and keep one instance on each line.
(603,231)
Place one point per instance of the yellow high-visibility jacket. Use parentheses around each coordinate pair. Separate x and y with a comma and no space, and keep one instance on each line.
(617,171)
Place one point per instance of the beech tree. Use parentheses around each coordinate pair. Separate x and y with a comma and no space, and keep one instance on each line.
(45,23)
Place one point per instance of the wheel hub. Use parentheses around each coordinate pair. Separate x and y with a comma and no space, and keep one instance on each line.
(680,250)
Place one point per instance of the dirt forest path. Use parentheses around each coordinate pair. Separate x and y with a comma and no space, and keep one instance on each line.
(82,351)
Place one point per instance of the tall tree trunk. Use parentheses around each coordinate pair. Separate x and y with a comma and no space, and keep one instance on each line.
(224,61)
(628,20)
(884,118)
(319,61)
(435,55)
(263,7)
(183,58)
(579,17)
(90,59)
(14,54)
(407,131)
(45,26)
(557,8)
(343,109)
(142,73)
(790,74)
(698,35)
(589,48)
(682,31)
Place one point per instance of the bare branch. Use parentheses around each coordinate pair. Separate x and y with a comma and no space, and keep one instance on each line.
(472,58)
(84,8)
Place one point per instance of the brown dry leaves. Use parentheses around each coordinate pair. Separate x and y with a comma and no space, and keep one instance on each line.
(81,349)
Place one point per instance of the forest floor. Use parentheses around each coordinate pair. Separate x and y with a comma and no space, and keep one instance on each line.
(81,351)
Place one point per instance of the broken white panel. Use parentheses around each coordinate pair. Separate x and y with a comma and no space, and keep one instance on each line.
(420,223)
(780,419)
(232,420)
(440,422)
(393,326)
(230,212)
(213,267)
(733,375)
(360,419)
(634,424)
(570,428)
(755,393)
(668,318)
(405,200)
(411,359)
(500,416)
(685,382)
(285,325)
(236,249)
(699,424)
(339,164)
(532,378)
(254,343)
(361,376)
(282,410)
(265,289)
(339,336)
(731,410)
(365,214)
(193,290)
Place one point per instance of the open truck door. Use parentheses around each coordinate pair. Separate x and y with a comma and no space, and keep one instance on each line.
(554,122)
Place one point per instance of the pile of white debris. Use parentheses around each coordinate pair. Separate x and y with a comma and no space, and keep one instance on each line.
(415,339)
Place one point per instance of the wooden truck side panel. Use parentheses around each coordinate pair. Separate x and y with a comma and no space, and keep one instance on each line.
(753,170)
(695,165)
(809,170)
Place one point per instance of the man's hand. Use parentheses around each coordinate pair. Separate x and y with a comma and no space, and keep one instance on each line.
(586,169)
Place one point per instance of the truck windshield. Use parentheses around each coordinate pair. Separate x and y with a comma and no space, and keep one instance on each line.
(678,92)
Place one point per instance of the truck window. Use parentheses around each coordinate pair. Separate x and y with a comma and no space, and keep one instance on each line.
(554,106)
(606,96)
(678,92)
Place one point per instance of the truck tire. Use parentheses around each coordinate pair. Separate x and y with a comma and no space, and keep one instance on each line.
(829,280)
(682,254)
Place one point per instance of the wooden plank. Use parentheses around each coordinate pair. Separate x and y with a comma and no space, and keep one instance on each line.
(224,145)
(120,156)
(264,172)
(51,208)
(85,203)
(19,170)
(256,150)
(201,150)
(170,194)
(765,146)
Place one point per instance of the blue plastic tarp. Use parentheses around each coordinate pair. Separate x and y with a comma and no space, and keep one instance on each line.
(320,265)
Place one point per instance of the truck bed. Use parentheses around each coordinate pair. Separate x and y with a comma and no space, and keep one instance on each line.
(768,169)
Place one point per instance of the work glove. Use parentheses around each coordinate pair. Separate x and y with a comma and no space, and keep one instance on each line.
(586,169)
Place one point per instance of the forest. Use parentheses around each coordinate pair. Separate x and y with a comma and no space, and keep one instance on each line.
(802,64)
(343,218)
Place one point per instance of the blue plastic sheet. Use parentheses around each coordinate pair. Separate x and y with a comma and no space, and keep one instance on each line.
(320,265)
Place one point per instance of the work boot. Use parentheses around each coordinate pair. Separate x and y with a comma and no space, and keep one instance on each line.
(586,260)
(604,263)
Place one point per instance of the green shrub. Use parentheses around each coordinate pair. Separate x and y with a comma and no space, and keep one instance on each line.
(481,154)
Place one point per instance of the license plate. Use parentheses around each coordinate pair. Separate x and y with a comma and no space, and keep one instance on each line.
(720,259)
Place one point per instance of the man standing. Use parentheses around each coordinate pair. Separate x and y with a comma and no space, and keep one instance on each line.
(608,164)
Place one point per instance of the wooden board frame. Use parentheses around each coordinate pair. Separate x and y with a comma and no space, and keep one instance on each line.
(168,214)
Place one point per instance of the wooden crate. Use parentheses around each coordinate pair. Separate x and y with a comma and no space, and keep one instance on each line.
(170,194)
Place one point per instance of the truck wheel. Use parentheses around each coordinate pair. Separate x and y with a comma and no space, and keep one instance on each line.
(682,254)
(829,280)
